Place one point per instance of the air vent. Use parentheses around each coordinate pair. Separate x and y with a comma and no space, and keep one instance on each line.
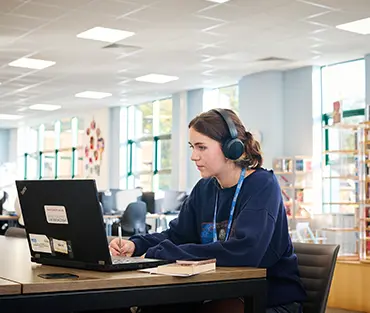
(274,59)
(122,49)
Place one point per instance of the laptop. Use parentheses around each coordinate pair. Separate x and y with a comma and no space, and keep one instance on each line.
(65,226)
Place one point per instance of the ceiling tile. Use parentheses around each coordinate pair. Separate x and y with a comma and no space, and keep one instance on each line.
(345,5)
(110,7)
(185,7)
(39,11)
(20,22)
(66,4)
(7,6)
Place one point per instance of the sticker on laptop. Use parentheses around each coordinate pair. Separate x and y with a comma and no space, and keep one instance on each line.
(60,246)
(56,214)
(40,243)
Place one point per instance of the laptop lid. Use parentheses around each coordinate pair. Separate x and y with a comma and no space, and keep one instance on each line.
(63,220)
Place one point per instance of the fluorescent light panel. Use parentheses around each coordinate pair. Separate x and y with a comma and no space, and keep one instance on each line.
(93,94)
(360,26)
(10,117)
(156,78)
(35,64)
(105,34)
(45,107)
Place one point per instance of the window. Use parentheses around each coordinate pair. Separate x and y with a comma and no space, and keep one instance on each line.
(225,97)
(145,149)
(343,83)
(52,150)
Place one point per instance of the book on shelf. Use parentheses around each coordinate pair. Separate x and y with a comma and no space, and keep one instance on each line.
(184,268)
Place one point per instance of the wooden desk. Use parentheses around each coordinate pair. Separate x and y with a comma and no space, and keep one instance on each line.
(9,288)
(99,290)
(8,217)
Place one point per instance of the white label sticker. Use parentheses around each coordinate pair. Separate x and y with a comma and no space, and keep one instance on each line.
(40,243)
(56,214)
(60,246)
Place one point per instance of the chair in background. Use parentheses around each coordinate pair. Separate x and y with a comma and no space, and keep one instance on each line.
(149,198)
(16,232)
(172,200)
(316,263)
(108,200)
(133,220)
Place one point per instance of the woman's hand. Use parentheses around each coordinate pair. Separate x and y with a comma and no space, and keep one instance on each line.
(127,247)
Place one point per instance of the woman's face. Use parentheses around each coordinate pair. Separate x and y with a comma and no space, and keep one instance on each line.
(207,154)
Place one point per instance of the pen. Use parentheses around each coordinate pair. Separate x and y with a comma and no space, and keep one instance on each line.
(120,236)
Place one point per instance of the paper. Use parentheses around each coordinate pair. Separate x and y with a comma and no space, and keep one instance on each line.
(60,246)
(154,271)
(56,214)
(40,243)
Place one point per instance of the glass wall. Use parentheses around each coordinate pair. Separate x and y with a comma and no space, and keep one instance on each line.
(145,145)
(343,103)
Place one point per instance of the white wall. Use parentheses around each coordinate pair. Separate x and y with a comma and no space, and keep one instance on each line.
(102,119)
(4,145)
(114,147)
(298,112)
(261,105)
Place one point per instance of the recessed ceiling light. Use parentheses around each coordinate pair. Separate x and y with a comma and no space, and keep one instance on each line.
(156,78)
(360,26)
(10,117)
(35,64)
(105,34)
(218,1)
(22,109)
(93,94)
(45,107)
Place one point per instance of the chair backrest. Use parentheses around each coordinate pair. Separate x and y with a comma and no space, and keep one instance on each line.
(16,232)
(133,219)
(149,198)
(108,200)
(172,200)
(316,263)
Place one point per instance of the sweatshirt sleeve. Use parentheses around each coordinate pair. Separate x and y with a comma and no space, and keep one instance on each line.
(182,229)
(253,230)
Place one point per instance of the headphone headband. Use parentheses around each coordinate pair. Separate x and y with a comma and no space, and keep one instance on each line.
(228,121)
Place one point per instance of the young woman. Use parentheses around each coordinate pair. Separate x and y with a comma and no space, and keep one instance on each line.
(234,214)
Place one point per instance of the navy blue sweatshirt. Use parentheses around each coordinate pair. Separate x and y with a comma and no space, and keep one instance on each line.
(259,235)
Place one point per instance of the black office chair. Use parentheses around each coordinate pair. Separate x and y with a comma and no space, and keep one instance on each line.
(133,220)
(149,198)
(108,200)
(3,225)
(16,232)
(316,263)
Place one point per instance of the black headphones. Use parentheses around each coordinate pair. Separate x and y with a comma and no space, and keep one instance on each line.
(233,147)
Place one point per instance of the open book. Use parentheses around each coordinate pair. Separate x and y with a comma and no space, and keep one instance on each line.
(184,268)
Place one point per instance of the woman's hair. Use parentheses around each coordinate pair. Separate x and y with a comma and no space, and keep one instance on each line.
(212,125)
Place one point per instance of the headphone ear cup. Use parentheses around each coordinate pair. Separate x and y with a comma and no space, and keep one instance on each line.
(233,149)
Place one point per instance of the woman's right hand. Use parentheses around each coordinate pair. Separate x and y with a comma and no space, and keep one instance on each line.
(127,247)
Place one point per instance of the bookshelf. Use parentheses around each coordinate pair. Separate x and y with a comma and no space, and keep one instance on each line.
(295,178)
(341,184)
(364,194)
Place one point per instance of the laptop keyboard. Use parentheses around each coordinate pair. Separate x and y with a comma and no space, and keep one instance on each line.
(127,260)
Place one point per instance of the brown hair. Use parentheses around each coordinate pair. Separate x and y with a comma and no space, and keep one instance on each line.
(213,126)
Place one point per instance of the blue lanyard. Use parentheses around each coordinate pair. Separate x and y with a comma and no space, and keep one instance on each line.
(238,187)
